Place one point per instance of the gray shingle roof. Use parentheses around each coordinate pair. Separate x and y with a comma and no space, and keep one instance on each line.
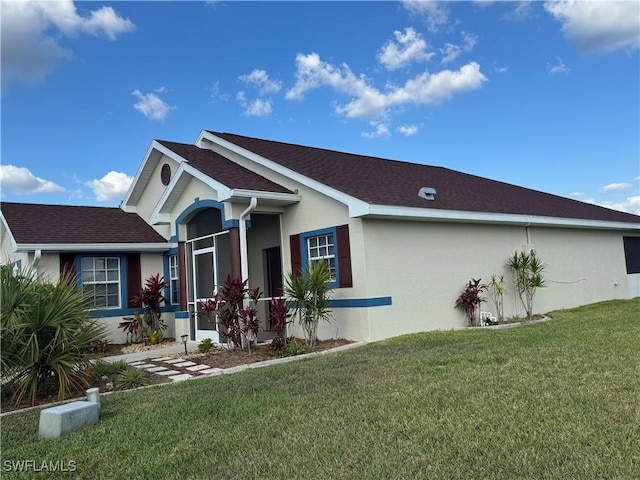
(395,183)
(64,224)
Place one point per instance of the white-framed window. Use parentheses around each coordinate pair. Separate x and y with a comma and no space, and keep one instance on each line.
(100,277)
(321,248)
(174,283)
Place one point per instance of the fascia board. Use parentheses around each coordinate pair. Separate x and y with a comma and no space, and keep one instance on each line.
(14,245)
(262,195)
(96,247)
(351,202)
(410,213)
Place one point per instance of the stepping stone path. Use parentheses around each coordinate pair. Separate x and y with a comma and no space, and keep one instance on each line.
(166,366)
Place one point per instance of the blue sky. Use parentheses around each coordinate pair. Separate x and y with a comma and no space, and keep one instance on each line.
(544,95)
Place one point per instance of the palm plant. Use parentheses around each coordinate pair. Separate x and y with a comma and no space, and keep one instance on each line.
(528,276)
(496,291)
(47,337)
(310,292)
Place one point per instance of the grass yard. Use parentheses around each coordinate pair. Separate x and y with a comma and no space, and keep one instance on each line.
(555,400)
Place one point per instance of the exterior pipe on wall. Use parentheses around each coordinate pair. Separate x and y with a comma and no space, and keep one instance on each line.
(37,254)
(244,257)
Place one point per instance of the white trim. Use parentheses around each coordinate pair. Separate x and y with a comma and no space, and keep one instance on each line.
(238,193)
(95,247)
(141,169)
(351,202)
(413,213)
(184,169)
(14,244)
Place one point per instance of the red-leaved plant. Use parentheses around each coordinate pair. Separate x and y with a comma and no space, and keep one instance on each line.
(151,297)
(228,306)
(470,299)
(279,316)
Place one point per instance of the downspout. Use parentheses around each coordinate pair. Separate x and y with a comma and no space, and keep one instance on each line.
(244,255)
(37,254)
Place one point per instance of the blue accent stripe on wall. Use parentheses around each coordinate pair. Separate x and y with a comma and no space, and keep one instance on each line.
(360,302)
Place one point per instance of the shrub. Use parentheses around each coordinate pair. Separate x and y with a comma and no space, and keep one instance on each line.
(205,345)
(310,291)
(131,377)
(469,300)
(293,348)
(528,276)
(47,337)
(279,315)
(155,337)
(100,368)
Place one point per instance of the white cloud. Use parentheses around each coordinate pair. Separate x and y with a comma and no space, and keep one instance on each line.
(450,52)
(616,187)
(22,181)
(152,106)
(470,41)
(31,32)
(522,11)
(258,108)
(599,26)
(260,80)
(382,130)
(433,13)
(408,48)
(407,130)
(629,205)
(216,94)
(559,67)
(369,102)
(113,186)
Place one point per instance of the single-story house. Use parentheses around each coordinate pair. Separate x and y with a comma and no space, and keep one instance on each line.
(401,239)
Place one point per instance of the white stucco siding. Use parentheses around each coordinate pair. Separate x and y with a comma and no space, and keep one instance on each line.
(195,189)
(583,266)
(425,266)
(153,192)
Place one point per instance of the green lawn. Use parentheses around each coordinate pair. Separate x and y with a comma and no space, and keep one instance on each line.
(554,400)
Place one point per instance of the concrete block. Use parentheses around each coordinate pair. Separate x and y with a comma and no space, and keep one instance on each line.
(62,419)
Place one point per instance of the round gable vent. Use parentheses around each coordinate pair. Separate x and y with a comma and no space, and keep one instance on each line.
(165,174)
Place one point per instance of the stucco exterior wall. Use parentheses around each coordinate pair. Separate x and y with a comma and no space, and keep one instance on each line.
(424,267)
(152,193)
(584,266)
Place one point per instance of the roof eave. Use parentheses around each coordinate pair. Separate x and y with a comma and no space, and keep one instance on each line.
(438,215)
(95,247)
(273,197)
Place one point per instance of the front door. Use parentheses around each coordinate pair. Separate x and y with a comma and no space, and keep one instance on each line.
(210,263)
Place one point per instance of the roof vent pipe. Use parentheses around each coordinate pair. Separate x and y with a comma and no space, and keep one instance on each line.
(428,193)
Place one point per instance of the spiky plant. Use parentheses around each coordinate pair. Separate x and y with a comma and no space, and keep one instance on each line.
(310,292)
(47,337)
(528,276)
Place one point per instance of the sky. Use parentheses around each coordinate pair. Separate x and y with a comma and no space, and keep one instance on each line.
(545,95)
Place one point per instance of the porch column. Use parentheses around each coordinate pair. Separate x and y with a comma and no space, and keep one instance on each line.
(234,242)
(182,275)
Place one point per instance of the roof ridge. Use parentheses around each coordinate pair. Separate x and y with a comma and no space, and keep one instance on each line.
(359,155)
